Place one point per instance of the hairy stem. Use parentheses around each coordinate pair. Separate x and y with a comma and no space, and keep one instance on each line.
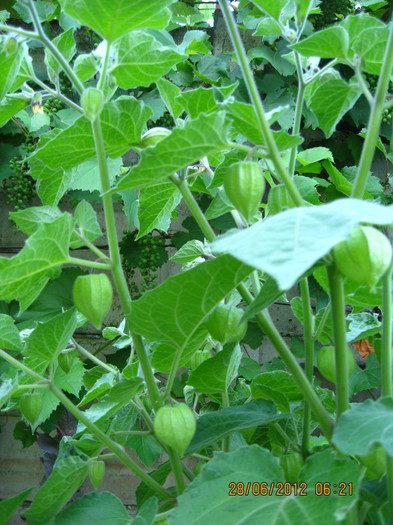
(386,352)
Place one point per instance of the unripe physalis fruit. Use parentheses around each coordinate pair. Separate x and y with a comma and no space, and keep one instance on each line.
(224,325)
(31,406)
(10,46)
(153,136)
(175,426)
(365,256)
(199,357)
(278,199)
(65,361)
(291,465)
(92,102)
(96,471)
(375,463)
(244,185)
(326,362)
(93,297)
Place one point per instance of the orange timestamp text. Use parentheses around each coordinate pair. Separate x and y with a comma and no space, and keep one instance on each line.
(278,488)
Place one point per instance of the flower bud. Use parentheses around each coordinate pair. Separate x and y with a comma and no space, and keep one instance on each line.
(92,102)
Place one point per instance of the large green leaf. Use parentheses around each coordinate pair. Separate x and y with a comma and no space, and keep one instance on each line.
(199,137)
(50,338)
(216,374)
(141,60)
(114,18)
(364,425)
(288,244)
(173,312)
(29,219)
(331,101)
(215,425)
(24,276)
(331,42)
(96,507)
(156,204)
(67,476)
(11,105)
(228,490)
(271,7)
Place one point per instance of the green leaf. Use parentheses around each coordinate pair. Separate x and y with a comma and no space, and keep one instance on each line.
(24,276)
(199,137)
(188,252)
(267,296)
(156,204)
(167,314)
(294,240)
(114,18)
(279,381)
(88,227)
(96,507)
(362,326)
(331,101)
(215,425)
(252,466)
(142,60)
(146,446)
(373,423)
(9,334)
(72,381)
(85,66)
(65,43)
(11,105)
(29,220)
(307,189)
(86,176)
(70,147)
(267,27)
(98,412)
(332,42)
(215,375)
(11,505)
(65,479)
(146,512)
(271,7)
(200,100)
(9,66)
(171,95)
(101,386)
(50,338)
(311,155)
(368,378)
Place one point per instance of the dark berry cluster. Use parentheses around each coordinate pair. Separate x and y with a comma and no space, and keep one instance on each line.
(166,121)
(146,254)
(332,11)
(65,83)
(372,85)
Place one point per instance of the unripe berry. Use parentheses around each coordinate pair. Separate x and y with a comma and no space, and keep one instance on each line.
(175,426)
(244,185)
(224,324)
(93,297)
(92,102)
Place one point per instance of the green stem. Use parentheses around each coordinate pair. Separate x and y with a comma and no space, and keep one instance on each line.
(389,480)
(58,95)
(89,264)
(92,247)
(117,271)
(104,68)
(298,113)
(268,328)
(93,358)
(28,34)
(337,298)
(257,103)
(53,49)
(21,366)
(308,326)
(114,447)
(374,121)
(322,322)
(177,469)
(386,352)
(226,440)
(289,359)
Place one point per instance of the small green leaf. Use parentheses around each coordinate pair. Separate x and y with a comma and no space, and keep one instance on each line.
(332,42)
(271,7)
(9,334)
(88,227)
(156,204)
(65,43)
(10,505)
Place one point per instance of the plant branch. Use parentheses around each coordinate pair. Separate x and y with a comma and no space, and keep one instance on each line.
(57,94)
(93,358)
(298,113)
(386,352)
(257,103)
(17,364)
(89,264)
(374,122)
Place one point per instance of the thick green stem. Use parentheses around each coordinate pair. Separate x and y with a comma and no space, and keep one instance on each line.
(386,352)
(337,298)
(257,103)
(308,327)
(374,121)
(53,49)
(226,440)
(389,480)
(298,113)
(114,447)
(117,271)
(177,470)
(322,322)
